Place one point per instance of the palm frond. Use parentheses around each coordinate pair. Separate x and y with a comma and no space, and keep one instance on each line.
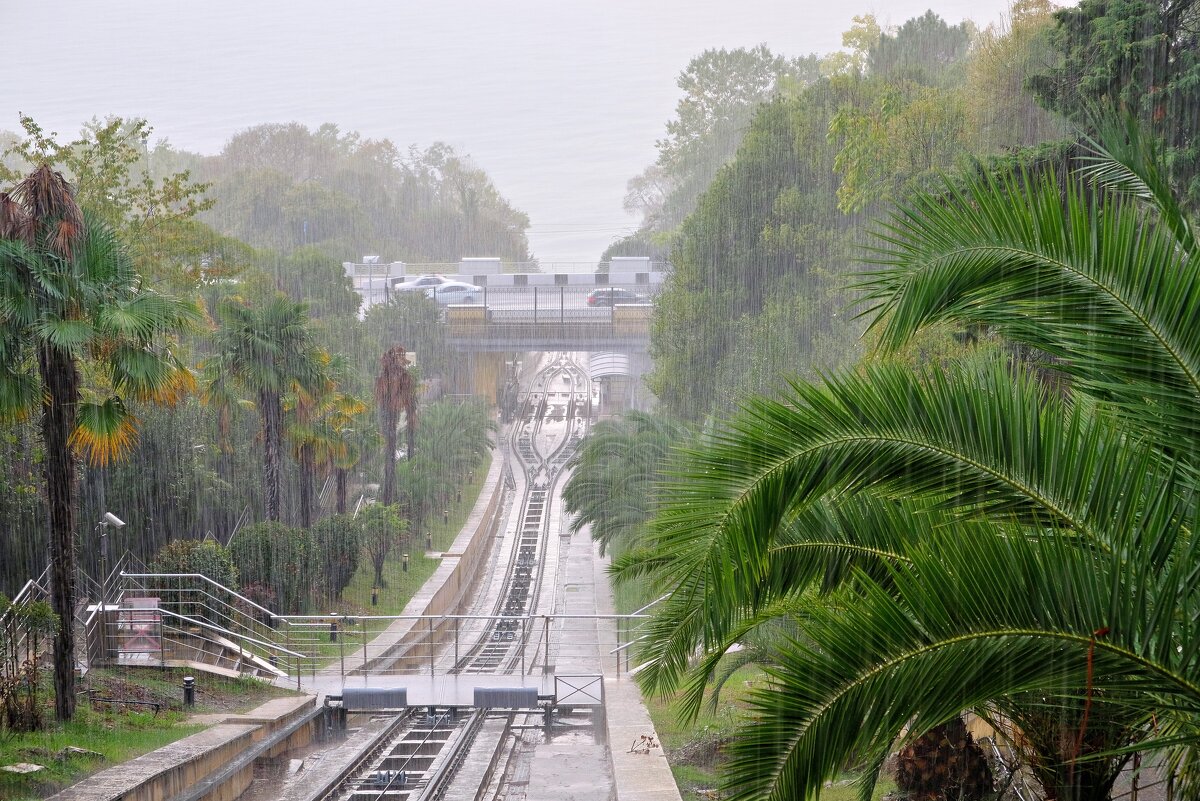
(104,431)
(1090,280)
(1127,159)
(965,624)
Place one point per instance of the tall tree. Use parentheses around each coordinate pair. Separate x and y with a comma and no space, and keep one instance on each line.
(269,350)
(382,531)
(396,392)
(80,336)
(988,544)
(924,49)
(1140,55)
(317,429)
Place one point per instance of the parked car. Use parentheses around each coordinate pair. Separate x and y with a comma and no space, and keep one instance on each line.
(456,292)
(612,295)
(420,282)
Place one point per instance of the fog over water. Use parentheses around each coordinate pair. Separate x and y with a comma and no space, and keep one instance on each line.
(560,102)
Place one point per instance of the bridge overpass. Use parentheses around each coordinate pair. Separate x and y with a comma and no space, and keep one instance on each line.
(601,309)
(568,318)
(535,307)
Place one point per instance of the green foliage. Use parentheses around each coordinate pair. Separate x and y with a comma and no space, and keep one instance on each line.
(613,473)
(1138,55)
(721,91)
(766,235)
(279,559)
(382,532)
(310,275)
(337,543)
(1003,113)
(24,628)
(206,557)
(924,49)
(285,187)
(981,539)
(268,350)
(894,140)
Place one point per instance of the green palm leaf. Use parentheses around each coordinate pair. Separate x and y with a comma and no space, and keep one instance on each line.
(1089,280)
(966,624)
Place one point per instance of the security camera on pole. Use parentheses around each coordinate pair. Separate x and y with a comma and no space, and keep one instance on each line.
(109,519)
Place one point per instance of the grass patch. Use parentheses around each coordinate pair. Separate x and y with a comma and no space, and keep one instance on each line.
(117,732)
(695,750)
(398,586)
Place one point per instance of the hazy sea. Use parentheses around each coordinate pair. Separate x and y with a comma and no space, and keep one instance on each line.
(561,102)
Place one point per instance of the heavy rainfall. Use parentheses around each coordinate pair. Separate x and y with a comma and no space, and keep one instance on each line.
(600,401)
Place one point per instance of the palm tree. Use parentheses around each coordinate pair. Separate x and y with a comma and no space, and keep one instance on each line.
(612,472)
(320,429)
(269,350)
(984,543)
(396,391)
(73,306)
(315,418)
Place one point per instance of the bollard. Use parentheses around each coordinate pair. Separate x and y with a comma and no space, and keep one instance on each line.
(374,596)
(333,630)
(189,691)
(445,516)
(404,563)
(429,541)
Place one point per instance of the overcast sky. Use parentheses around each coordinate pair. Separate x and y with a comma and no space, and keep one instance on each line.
(559,101)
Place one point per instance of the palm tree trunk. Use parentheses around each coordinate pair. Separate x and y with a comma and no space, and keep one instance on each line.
(389,462)
(307,469)
(410,432)
(340,473)
(60,378)
(272,420)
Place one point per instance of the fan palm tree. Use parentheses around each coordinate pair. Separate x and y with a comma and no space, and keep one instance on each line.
(1043,571)
(79,337)
(321,420)
(269,351)
(396,391)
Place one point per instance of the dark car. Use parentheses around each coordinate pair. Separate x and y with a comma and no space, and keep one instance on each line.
(611,296)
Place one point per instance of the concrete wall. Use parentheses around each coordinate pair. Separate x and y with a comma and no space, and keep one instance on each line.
(446,591)
(170,770)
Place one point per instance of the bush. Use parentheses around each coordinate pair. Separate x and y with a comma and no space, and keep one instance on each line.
(278,558)
(336,546)
(205,557)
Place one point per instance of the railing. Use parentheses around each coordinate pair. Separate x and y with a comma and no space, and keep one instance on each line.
(518,267)
(194,606)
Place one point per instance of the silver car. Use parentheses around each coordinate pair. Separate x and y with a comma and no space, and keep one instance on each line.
(456,292)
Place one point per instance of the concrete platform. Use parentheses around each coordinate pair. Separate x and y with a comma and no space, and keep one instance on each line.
(169,770)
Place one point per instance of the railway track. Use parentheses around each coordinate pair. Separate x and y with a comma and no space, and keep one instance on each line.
(417,756)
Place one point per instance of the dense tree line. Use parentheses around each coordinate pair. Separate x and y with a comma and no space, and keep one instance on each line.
(992,511)
(196,383)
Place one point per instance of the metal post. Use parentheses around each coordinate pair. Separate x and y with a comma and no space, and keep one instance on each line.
(545,643)
(535,305)
(430,646)
(522,646)
(342,653)
(364,635)
(457,623)
(619,647)
(562,303)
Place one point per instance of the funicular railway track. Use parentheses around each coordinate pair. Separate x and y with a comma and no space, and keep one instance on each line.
(415,757)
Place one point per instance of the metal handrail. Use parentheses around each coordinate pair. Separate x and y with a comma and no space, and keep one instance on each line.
(206,579)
